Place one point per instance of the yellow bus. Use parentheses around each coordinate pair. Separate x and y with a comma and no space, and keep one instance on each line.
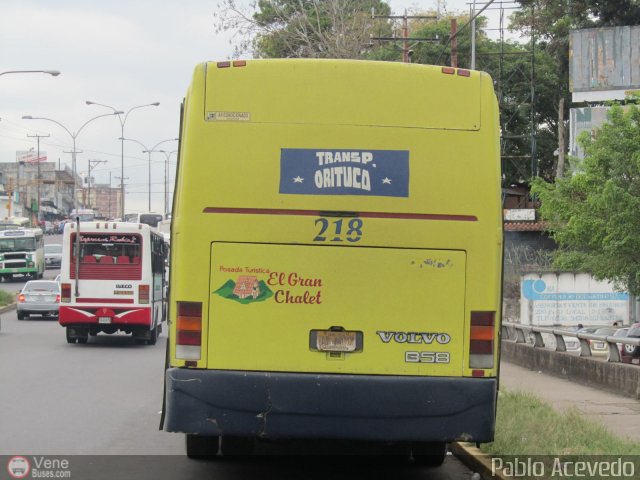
(336,256)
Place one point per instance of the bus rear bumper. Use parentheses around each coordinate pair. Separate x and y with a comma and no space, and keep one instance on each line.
(79,315)
(300,405)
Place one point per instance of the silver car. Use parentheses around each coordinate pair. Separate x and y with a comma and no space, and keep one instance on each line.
(52,255)
(39,297)
(601,348)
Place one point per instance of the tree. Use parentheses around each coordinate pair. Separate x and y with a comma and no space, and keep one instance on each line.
(509,64)
(594,213)
(551,21)
(303,28)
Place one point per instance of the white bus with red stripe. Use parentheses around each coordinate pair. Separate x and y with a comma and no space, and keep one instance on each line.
(112,279)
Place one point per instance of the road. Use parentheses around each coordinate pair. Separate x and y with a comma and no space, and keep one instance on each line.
(88,402)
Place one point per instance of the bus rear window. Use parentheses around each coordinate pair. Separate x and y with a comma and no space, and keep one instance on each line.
(101,248)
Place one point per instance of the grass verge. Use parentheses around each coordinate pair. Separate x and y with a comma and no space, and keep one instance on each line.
(526,425)
(6,298)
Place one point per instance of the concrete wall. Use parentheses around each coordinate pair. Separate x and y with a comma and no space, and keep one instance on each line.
(568,299)
(619,378)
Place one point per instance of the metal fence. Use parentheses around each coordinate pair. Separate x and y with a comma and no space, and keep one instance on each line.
(521,333)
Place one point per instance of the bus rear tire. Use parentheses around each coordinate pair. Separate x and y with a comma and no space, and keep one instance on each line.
(201,446)
(70,339)
(429,454)
(153,336)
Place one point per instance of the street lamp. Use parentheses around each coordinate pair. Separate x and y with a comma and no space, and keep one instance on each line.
(73,138)
(123,121)
(166,177)
(53,73)
(150,151)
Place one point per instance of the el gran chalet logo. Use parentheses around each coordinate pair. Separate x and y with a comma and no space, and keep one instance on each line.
(284,287)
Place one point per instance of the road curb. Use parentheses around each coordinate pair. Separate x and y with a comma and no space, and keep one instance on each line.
(7,308)
(476,460)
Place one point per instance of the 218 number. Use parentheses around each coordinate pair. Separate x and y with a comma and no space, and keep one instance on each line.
(352,232)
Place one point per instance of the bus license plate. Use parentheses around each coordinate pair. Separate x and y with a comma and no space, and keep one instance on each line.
(104,319)
(336,341)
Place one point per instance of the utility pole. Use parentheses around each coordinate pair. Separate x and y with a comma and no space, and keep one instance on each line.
(122,184)
(109,196)
(92,164)
(406,52)
(454,43)
(9,196)
(560,166)
(473,35)
(38,137)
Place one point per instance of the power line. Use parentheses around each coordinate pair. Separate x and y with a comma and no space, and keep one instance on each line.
(406,53)
(455,35)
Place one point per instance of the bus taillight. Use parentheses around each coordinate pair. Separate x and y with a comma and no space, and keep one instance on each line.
(65,292)
(143,294)
(189,330)
(481,340)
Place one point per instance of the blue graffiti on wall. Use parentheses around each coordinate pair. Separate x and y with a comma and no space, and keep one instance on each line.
(536,290)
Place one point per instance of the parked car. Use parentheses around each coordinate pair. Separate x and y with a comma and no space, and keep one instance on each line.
(52,255)
(622,333)
(572,344)
(39,297)
(587,330)
(601,348)
(631,353)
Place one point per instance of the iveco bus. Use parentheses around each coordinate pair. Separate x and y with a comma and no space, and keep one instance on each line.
(112,279)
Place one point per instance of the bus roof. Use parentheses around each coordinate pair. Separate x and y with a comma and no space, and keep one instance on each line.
(282,96)
(21,232)
(120,227)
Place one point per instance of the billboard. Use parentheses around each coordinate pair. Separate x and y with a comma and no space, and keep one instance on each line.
(30,156)
(604,63)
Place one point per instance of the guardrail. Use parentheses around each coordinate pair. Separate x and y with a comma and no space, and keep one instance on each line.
(517,332)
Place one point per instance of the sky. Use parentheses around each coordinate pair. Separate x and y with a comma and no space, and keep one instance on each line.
(118,53)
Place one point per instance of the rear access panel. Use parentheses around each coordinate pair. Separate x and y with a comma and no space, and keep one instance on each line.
(359,310)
